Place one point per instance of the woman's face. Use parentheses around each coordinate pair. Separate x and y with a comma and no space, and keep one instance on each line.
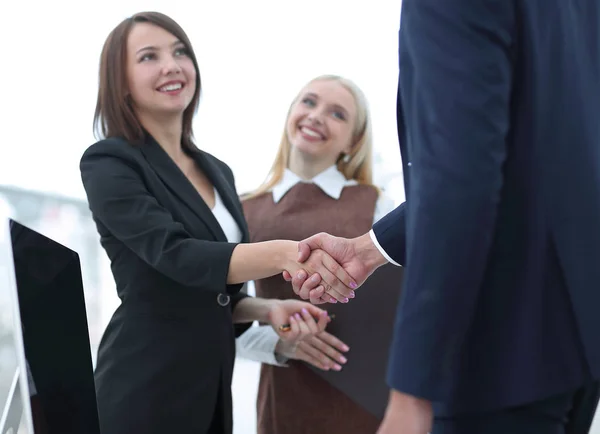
(322,120)
(161,76)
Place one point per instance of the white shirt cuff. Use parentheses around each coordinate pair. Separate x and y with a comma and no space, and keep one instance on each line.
(383,252)
(258,344)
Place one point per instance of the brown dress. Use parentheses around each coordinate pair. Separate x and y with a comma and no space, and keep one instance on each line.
(300,399)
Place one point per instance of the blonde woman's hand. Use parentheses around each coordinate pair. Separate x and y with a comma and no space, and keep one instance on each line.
(295,320)
(324,351)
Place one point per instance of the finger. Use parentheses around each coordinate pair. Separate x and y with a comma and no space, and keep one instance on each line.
(315,295)
(319,316)
(313,243)
(333,286)
(326,298)
(303,251)
(293,332)
(343,283)
(310,321)
(298,280)
(323,321)
(319,296)
(331,352)
(309,285)
(331,340)
(309,244)
(329,299)
(311,349)
(303,327)
(303,355)
(322,299)
(307,352)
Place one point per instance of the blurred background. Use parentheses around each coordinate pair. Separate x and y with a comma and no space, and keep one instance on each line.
(254,57)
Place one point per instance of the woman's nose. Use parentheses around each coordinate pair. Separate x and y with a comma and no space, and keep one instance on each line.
(171,66)
(315,118)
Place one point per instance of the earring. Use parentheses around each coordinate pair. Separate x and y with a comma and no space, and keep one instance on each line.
(346,158)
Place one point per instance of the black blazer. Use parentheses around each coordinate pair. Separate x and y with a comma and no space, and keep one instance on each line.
(498,120)
(166,359)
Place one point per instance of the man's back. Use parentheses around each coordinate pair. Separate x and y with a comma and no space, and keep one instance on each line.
(498,107)
(561,66)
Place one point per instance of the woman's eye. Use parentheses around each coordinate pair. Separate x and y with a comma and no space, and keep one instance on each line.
(339,115)
(147,56)
(309,102)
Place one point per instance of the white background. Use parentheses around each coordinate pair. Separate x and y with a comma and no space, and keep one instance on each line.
(254,57)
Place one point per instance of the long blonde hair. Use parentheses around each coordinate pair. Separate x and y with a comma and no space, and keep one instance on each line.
(360,162)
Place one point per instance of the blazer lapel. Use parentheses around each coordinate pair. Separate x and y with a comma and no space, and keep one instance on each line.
(180,186)
(225,189)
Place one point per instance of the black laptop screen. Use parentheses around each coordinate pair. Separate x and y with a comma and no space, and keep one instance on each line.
(55,334)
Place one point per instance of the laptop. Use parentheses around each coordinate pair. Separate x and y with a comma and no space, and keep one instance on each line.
(49,386)
(15,412)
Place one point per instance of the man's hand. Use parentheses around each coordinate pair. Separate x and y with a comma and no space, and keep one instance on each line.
(406,414)
(358,257)
(323,351)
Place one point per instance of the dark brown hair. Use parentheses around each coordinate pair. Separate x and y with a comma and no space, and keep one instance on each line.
(114,116)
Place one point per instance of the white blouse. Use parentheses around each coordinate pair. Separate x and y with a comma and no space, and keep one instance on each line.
(228,224)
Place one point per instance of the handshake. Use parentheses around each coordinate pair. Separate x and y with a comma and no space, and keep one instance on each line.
(329,269)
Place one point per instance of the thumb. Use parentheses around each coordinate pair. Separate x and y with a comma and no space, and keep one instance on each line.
(303,251)
(309,244)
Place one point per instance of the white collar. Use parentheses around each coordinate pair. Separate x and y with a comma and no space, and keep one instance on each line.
(331,181)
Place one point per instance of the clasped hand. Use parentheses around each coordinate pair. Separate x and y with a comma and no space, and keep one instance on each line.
(328,277)
(306,339)
(330,266)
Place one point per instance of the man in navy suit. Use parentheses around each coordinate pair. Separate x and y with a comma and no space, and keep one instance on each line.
(498,329)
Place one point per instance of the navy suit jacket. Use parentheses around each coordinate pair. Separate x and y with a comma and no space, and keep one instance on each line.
(498,120)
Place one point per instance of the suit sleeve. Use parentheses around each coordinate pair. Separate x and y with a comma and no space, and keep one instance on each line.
(240,328)
(390,233)
(120,201)
(455,87)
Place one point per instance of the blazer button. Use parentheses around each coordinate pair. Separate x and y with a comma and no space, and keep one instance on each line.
(223,299)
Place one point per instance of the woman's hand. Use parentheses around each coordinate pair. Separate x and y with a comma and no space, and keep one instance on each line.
(323,351)
(303,318)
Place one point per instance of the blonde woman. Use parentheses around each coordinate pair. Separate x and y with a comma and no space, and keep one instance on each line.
(321,181)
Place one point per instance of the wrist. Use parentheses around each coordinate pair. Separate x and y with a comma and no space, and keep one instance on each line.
(253,309)
(279,347)
(283,351)
(368,252)
(286,254)
(263,313)
(420,409)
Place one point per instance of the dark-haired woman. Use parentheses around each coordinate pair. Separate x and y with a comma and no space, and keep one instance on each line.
(171,223)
